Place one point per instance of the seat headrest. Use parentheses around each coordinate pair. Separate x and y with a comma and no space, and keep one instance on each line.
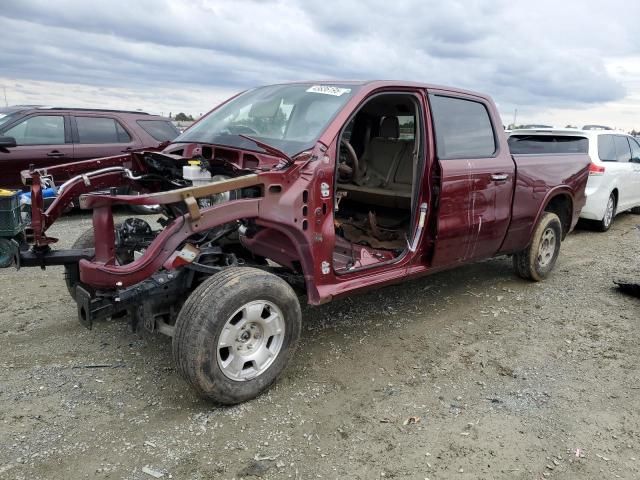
(390,127)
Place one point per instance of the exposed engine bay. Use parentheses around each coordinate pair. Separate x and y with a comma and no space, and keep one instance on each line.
(134,235)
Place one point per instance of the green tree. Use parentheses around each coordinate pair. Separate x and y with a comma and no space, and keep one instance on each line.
(182,117)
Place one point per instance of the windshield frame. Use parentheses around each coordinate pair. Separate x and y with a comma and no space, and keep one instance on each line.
(307,94)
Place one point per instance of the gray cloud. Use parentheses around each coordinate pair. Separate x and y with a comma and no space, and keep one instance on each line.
(549,54)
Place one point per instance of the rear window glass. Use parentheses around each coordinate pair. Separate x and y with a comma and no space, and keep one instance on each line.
(161,130)
(543,144)
(463,128)
(101,130)
(606,148)
(407,127)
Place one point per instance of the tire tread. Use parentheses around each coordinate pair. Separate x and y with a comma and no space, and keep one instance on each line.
(71,274)
(191,321)
(524,262)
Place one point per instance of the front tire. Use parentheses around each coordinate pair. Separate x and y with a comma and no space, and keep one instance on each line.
(71,272)
(236,333)
(536,261)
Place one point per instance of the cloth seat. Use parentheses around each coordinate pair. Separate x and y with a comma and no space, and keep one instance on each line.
(381,154)
(386,172)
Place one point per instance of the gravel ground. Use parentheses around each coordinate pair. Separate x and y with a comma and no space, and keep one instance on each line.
(468,374)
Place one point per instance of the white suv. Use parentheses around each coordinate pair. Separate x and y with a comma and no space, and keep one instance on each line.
(614,173)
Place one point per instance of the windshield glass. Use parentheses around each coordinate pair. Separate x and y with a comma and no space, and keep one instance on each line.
(288,117)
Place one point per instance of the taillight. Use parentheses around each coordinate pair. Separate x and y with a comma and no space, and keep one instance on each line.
(596,169)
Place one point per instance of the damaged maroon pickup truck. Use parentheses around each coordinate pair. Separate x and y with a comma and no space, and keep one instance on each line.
(305,189)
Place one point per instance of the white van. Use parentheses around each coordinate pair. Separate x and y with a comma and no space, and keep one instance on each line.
(614,173)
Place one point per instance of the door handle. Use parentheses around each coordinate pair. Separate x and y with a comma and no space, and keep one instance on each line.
(499,177)
(55,154)
(127,150)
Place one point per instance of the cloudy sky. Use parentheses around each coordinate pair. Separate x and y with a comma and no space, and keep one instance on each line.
(557,62)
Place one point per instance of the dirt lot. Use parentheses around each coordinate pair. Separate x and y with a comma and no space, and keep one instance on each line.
(469,374)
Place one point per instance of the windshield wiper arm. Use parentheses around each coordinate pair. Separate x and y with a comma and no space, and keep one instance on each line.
(269,149)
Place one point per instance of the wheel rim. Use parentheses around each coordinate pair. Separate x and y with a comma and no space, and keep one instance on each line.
(250,340)
(608,215)
(547,247)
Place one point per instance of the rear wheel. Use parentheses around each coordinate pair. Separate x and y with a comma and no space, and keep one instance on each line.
(610,212)
(635,210)
(537,261)
(236,333)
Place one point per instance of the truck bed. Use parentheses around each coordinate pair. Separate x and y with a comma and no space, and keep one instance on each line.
(538,177)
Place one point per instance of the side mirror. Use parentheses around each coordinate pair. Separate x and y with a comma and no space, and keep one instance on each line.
(7,142)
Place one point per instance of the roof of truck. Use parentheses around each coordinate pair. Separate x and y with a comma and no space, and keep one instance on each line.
(375,84)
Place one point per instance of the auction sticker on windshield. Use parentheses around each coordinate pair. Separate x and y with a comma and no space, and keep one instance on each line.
(328,90)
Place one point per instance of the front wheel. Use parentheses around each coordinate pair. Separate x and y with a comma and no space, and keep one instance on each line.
(236,333)
(71,272)
(536,261)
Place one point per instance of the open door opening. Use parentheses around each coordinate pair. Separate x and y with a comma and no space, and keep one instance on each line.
(377,174)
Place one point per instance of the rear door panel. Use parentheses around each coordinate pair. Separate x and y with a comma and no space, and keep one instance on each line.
(474,207)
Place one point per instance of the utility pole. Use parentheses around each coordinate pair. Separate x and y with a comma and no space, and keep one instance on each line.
(6,104)
(515,116)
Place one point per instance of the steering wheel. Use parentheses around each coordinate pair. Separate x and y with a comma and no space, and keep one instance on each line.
(349,169)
